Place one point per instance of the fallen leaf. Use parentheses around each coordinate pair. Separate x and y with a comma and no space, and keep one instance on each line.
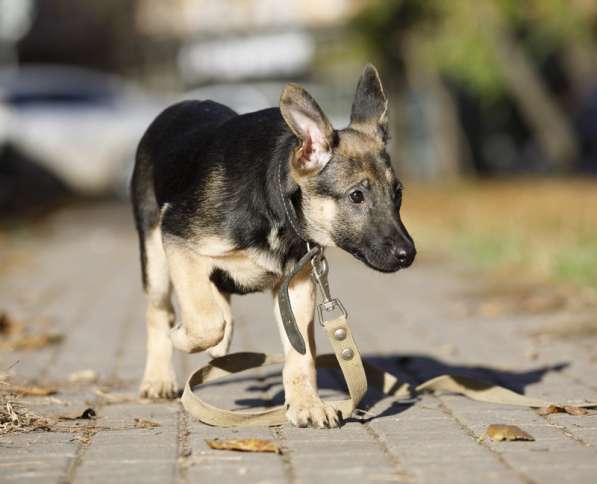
(83,376)
(142,423)
(244,445)
(32,342)
(576,411)
(498,432)
(551,409)
(29,391)
(569,409)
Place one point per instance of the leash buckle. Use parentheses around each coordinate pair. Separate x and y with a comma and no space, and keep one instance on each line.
(329,304)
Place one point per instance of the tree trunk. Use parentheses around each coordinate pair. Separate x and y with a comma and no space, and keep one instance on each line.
(449,152)
(545,117)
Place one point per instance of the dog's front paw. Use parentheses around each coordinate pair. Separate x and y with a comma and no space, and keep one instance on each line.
(194,343)
(159,388)
(312,412)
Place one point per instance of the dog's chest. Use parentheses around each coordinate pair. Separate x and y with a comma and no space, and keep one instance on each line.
(245,272)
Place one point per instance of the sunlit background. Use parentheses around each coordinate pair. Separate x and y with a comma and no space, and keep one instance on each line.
(493,106)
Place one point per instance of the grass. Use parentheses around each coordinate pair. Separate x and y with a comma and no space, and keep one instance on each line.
(545,229)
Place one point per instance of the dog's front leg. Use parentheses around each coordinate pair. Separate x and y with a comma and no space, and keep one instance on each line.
(304,407)
(205,312)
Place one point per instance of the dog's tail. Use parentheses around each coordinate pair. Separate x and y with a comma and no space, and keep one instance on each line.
(145,206)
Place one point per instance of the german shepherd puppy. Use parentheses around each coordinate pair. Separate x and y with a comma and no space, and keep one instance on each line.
(211,191)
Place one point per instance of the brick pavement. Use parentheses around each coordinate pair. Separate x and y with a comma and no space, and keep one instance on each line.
(79,272)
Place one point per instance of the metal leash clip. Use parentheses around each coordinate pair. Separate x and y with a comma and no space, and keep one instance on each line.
(320,277)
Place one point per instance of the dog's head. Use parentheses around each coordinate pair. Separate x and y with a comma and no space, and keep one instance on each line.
(349,192)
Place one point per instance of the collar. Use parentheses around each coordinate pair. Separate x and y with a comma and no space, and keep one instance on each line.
(289,209)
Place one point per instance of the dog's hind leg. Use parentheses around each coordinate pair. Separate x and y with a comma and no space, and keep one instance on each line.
(159,380)
(205,312)
(304,407)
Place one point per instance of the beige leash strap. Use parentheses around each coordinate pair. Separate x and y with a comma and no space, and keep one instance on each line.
(346,356)
(483,391)
(354,371)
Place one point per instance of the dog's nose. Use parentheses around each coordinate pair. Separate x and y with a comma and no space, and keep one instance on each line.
(404,255)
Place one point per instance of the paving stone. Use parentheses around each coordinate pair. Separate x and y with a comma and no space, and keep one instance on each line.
(87,283)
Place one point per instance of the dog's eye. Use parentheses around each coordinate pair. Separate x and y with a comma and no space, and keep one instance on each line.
(356,196)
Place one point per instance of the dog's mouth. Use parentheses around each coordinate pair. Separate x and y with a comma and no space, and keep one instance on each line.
(360,255)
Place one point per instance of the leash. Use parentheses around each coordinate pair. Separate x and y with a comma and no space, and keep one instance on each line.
(357,374)
(346,356)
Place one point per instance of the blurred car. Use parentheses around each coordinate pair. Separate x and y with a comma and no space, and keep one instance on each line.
(79,125)
(82,127)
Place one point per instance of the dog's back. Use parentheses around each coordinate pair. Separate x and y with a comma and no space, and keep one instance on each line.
(166,160)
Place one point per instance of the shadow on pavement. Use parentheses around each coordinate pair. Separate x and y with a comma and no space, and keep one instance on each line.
(413,369)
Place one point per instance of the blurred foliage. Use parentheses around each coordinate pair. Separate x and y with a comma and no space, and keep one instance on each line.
(451,35)
(537,229)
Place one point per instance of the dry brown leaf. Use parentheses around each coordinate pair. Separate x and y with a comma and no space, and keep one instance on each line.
(576,411)
(244,445)
(32,342)
(142,423)
(569,409)
(29,391)
(551,409)
(499,432)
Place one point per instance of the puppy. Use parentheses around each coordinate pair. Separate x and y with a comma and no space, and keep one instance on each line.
(224,204)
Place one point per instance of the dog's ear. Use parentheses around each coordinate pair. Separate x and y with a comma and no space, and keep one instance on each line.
(307,121)
(370,107)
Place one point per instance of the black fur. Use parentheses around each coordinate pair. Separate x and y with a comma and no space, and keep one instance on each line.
(188,143)
(228,285)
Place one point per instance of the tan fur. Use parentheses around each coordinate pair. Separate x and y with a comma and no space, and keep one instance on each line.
(223,301)
(354,144)
(202,319)
(206,321)
(213,246)
(320,213)
(300,384)
(364,150)
(272,238)
(159,380)
(389,173)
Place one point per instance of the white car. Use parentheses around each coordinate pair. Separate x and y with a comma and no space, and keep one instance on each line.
(79,125)
(84,127)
